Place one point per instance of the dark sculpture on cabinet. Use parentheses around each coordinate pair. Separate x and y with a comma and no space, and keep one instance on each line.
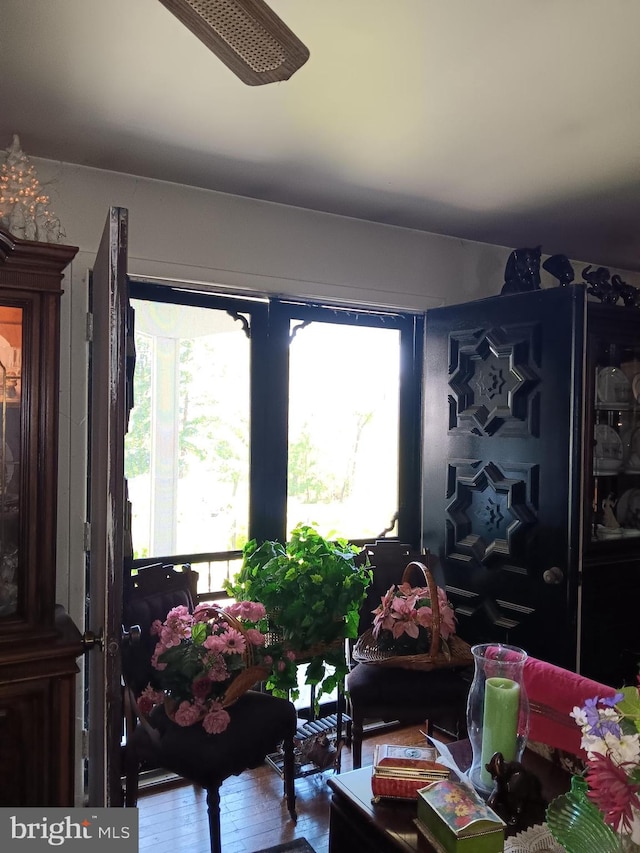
(559,266)
(522,272)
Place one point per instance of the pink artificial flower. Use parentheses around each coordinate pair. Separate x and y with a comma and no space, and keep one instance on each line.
(405,617)
(424,616)
(405,609)
(290,655)
(268,660)
(216,720)
(201,688)
(177,626)
(447,616)
(234,642)
(385,601)
(382,622)
(250,611)
(155,663)
(612,791)
(148,699)
(407,627)
(405,601)
(187,714)
(202,613)
(217,668)
(255,637)
(215,643)
(178,614)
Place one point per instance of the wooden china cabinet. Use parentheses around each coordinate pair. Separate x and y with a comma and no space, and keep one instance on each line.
(39,644)
(532,474)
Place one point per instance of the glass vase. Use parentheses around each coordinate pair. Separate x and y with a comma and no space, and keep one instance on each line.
(578,824)
(497,709)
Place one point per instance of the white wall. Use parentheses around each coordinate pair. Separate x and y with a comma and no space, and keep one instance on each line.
(214,237)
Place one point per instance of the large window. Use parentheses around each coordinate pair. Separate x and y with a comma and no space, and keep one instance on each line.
(252,415)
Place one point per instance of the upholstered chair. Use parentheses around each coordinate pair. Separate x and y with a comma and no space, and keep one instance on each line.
(259,723)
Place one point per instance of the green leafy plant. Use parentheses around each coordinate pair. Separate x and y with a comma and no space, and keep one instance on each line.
(312,590)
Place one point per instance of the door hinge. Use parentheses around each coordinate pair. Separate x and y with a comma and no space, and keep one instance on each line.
(87,536)
(85,743)
(89,329)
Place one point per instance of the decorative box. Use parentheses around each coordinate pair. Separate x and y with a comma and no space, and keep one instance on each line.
(400,771)
(457,820)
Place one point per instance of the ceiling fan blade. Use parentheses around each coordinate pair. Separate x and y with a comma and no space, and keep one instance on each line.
(246,35)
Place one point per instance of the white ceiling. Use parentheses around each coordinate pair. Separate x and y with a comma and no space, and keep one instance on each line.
(514,122)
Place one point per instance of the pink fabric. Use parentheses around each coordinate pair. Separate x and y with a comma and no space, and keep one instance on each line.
(498,652)
(553,692)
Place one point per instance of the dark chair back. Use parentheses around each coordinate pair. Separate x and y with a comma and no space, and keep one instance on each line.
(388,560)
(149,595)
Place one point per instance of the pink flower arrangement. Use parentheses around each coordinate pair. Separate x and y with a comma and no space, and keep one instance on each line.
(404,617)
(199,655)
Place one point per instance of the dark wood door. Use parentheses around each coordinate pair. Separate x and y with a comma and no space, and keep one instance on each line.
(108,515)
(502,478)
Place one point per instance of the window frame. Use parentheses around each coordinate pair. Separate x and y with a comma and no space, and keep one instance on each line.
(269,333)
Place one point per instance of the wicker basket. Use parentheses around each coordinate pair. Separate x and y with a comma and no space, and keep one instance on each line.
(442,654)
(275,637)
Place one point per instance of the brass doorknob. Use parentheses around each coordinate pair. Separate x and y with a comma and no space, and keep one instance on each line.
(554,575)
(91,640)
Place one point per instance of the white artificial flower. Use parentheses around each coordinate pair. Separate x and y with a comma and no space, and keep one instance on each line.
(625,749)
(579,716)
(593,745)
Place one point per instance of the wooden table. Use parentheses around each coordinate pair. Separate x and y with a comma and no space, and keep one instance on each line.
(357,824)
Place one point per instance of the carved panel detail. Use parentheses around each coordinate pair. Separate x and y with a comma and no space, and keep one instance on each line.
(489,512)
(494,379)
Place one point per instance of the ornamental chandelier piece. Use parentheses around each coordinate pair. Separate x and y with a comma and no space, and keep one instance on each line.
(24,207)
(246,35)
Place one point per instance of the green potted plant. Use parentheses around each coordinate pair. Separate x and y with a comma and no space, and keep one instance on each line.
(312,590)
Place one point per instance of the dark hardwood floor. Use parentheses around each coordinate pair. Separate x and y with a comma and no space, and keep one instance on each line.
(253,809)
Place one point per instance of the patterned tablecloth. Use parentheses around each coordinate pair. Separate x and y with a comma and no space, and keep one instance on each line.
(537,839)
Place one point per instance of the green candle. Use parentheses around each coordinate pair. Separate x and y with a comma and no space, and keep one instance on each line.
(500,721)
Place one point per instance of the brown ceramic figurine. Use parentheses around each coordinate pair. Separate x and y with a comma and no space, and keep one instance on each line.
(517,794)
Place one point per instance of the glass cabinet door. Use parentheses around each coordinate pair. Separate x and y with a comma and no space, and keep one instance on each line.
(615,374)
(10,402)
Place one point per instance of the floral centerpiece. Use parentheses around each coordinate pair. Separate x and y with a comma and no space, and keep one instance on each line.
(205,660)
(404,618)
(611,739)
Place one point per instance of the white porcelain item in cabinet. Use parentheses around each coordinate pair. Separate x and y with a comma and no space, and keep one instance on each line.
(628,509)
(613,386)
(607,452)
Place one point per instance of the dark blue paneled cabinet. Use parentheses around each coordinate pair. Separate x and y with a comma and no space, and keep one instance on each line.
(532,474)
